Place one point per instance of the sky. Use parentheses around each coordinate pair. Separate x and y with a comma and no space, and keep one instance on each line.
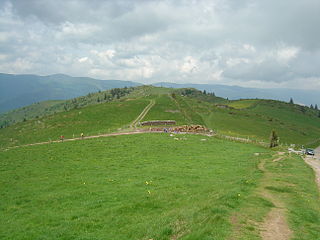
(249,43)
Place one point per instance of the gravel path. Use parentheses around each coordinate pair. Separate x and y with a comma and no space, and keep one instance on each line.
(314,162)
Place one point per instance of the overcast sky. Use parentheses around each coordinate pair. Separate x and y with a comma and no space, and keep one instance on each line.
(267,43)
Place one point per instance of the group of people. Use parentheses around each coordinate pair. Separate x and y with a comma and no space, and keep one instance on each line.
(62,137)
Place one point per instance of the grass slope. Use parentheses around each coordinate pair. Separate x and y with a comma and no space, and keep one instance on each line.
(151,186)
(146,186)
(245,118)
(91,120)
(166,109)
(30,112)
(46,108)
(257,118)
(20,90)
(288,181)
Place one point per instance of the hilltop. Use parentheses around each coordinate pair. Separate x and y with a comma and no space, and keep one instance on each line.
(107,111)
(22,90)
(301,96)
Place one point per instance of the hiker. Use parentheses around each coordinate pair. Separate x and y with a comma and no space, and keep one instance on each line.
(61,138)
(82,135)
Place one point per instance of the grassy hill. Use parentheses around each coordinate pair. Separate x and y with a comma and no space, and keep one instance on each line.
(109,110)
(90,120)
(301,96)
(21,90)
(153,185)
(46,108)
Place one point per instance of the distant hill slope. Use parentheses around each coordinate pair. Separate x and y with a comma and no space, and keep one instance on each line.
(306,97)
(46,108)
(22,90)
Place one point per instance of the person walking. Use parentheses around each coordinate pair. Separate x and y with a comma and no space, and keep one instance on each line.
(61,138)
(82,135)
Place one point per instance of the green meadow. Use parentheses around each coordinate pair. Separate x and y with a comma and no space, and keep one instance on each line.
(147,186)
(255,119)
(90,120)
(150,186)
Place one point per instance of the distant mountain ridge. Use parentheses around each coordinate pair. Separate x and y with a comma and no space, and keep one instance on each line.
(305,97)
(22,90)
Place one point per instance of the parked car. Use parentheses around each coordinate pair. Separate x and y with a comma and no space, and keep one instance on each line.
(310,151)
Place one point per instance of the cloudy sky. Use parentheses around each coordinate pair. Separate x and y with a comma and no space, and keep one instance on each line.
(267,43)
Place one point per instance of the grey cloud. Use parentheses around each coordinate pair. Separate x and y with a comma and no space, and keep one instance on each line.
(227,40)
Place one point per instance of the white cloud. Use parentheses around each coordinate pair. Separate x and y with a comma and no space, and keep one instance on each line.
(287,53)
(83,59)
(107,54)
(80,30)
(189,65)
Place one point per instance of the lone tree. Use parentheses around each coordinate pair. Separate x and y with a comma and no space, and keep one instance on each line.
(274,139)
(316,107)
(291,101)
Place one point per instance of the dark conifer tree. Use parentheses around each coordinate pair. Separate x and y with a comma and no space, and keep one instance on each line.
(291,101)
(273,139)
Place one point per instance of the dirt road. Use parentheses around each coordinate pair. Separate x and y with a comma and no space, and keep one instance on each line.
(135,123)
(77,139)
(314,162)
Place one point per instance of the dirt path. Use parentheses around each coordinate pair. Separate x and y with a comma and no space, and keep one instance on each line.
(77,139)
(275,226)
(132,125)
(314,162)
(142,114)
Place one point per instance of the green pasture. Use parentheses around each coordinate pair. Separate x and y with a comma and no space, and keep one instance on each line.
(148,186)
(258,120)
(90,120)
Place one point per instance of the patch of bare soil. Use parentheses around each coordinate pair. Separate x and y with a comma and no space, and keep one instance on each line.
(275,226)
(278,159)
(172,111)
(180,230)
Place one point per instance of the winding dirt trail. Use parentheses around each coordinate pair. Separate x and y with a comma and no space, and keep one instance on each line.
(77,139)
(275,226)
(314,162)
